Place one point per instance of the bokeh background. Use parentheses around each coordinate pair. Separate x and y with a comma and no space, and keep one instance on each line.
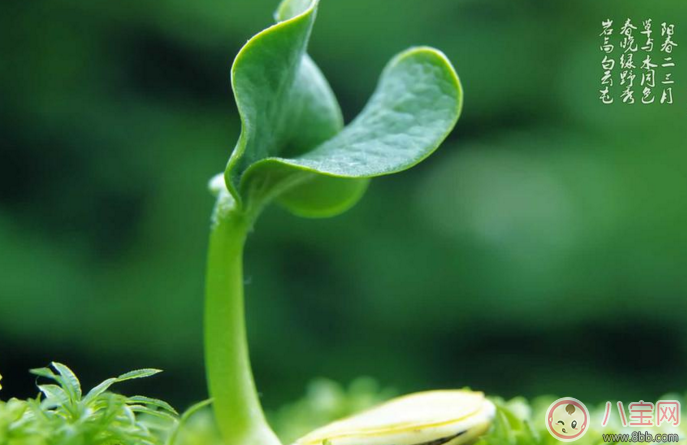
(541,250)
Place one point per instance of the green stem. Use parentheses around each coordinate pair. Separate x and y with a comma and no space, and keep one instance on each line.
(235,399)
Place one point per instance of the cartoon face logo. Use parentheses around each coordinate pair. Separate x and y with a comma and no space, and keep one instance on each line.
(567,419)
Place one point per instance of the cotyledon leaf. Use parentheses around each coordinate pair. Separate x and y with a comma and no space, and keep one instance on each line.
(286,104)
(416,105)
(292,148)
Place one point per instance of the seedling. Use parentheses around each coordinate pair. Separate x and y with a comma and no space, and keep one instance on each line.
(295,151)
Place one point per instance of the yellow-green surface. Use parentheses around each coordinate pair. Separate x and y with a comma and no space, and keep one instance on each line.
(450,417)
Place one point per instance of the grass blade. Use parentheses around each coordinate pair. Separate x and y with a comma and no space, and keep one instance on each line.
(138,374)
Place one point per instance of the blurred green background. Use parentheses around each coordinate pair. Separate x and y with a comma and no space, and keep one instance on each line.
(542,249)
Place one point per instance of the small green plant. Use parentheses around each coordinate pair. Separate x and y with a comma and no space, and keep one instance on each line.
(63,415)
(295,151)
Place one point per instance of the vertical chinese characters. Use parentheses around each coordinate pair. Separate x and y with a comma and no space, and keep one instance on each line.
(648,68)
(667,32)
(638,66)
(608,63)
(627,66)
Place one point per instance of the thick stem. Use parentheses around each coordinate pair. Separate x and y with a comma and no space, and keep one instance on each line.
(235,398)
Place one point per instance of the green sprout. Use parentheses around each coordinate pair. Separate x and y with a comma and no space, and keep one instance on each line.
(294,150)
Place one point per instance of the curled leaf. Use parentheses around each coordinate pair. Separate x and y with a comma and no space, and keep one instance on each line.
(293,147)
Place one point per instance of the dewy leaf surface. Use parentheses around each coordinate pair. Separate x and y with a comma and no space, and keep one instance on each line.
(292,147)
